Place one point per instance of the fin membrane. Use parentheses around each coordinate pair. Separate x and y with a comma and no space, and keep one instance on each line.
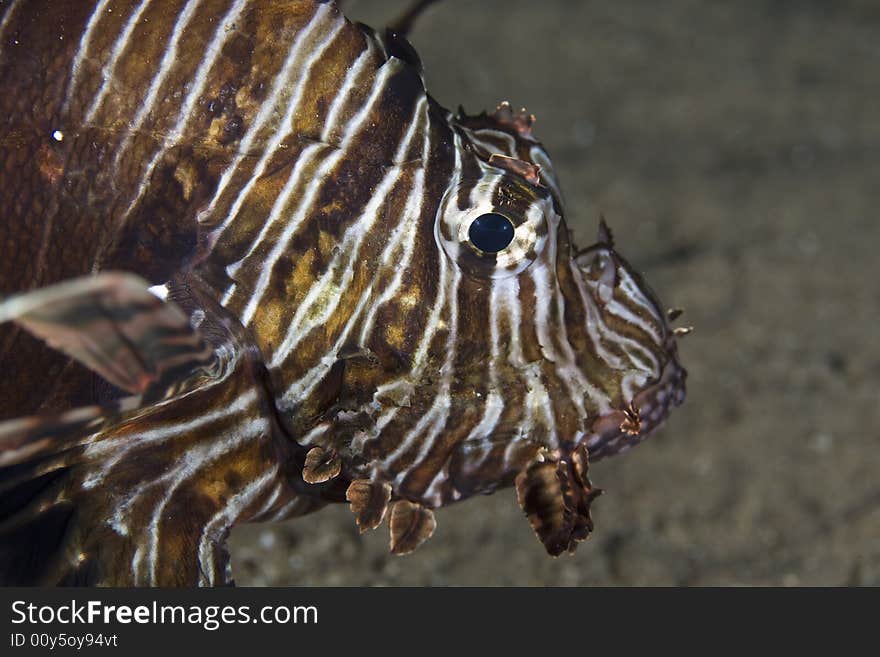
(114,325)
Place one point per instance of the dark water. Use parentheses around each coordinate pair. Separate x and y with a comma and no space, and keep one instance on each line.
(734,148)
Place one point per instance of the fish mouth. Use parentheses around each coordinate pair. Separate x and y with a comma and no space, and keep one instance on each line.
(620,430)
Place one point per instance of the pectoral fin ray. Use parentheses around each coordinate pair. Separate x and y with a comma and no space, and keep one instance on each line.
(115,326)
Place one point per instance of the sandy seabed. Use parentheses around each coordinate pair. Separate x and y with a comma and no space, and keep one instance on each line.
(734,148)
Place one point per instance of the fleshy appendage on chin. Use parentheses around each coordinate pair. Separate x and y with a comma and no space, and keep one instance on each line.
(554,490)
(556,494)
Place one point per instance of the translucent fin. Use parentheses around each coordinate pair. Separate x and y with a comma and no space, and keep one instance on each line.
(115,326)
(142,490)
(132,495)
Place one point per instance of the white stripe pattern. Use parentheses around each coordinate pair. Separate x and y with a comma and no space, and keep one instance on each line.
(326,293)
(199,458)
(294,75)
(211,538)
(458,381)
(167,63)
(184,116)
(111,452)
(304,386)
(83,51)
(354,126)
(108,73)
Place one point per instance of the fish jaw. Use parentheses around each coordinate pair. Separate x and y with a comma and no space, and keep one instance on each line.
(620,430)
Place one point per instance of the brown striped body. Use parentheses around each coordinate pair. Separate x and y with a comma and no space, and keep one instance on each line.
(285,178)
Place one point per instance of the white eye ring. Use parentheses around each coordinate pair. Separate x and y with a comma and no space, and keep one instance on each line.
(453,226)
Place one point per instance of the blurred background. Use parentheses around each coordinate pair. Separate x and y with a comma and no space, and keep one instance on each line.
(734,148)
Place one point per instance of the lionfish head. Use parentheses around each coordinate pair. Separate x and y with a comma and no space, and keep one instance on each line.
(536,357)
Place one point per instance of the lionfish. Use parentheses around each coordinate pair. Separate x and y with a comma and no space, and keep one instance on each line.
(250,267)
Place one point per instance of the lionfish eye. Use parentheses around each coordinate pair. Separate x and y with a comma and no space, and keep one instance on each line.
(491,232)
(492,228)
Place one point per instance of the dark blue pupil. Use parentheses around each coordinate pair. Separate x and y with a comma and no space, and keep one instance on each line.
(491,232)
